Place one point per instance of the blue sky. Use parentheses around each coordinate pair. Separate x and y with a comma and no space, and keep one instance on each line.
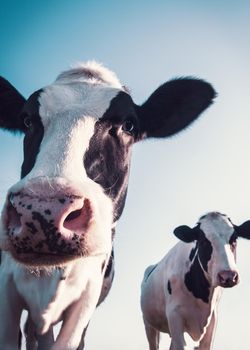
(172,181)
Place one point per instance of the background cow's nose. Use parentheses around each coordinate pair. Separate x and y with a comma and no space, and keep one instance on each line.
(228,278)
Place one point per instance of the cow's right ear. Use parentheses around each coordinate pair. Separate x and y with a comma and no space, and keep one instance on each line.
(186,233)
(11,104)
(243,230)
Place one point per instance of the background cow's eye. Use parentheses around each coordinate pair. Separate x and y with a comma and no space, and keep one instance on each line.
(128,127)
(27,122)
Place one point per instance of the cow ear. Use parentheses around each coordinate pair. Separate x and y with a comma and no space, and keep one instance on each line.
(186,233)
(173,106)
(243,230)
(11,104)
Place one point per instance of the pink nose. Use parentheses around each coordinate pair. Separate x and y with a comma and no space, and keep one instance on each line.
(228,278)
(52,225)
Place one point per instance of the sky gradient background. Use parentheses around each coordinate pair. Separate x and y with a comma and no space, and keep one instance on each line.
(173,181)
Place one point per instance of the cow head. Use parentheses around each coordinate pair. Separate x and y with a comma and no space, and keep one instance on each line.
(215,250)
(78,135)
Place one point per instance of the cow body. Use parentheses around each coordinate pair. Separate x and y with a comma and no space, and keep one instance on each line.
(181,293)
(58,221)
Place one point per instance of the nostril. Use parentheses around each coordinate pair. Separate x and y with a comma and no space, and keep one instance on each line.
(13,217)
(73,215)
(78,220)
(228,278)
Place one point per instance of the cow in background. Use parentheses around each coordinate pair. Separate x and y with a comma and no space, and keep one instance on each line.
(181,293)
(58,221)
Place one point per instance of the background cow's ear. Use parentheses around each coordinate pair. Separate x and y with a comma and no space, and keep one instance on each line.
(186,233)
(173,106)
(11,104)
(243,230)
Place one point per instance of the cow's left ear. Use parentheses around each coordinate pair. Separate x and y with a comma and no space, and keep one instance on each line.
(243,230)
(186,233)
(11,104)
(173,106)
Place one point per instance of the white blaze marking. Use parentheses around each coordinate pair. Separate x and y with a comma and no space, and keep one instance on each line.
(69,113)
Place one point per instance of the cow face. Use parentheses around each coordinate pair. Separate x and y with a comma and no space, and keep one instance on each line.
(215,250)
(78,134)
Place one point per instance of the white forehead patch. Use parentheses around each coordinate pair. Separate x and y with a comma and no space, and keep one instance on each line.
(85,90)
(216,226)
(69,109)
(75,100)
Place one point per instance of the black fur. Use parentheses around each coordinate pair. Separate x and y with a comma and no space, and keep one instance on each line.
(169,287)
(33,134)
(11,104)
(174,105)
(196,282)
(195,279)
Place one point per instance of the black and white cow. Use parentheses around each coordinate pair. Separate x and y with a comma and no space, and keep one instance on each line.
(181,293)
(58,221)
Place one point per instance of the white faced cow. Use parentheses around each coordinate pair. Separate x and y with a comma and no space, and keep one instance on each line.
(181,293)
(58,221)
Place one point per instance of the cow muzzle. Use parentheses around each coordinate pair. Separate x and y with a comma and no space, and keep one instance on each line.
(50,227)
(228,278)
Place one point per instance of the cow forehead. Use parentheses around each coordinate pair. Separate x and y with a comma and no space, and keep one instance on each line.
(75,99)
(216,227)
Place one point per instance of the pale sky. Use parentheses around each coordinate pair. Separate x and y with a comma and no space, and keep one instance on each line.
(172,181)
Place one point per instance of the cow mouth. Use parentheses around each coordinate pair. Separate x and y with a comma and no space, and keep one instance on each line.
(34,259)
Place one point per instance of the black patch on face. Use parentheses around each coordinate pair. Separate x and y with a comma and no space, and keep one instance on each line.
(196,282)
(233,244)
(33,134)
(192,253)
(108,157)
(205,250)
(169,287)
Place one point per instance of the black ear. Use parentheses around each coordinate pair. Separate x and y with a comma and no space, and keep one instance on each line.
(173,106)
(243,230)
(11,104)
(186,233)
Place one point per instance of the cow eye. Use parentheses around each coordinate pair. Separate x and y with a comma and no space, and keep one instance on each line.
(27,122)
(128,127)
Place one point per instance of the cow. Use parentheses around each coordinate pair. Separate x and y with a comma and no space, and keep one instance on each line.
(181,293)
(58,222)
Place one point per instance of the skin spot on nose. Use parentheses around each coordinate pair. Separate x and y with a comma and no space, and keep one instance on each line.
(47,211)
(62,200)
